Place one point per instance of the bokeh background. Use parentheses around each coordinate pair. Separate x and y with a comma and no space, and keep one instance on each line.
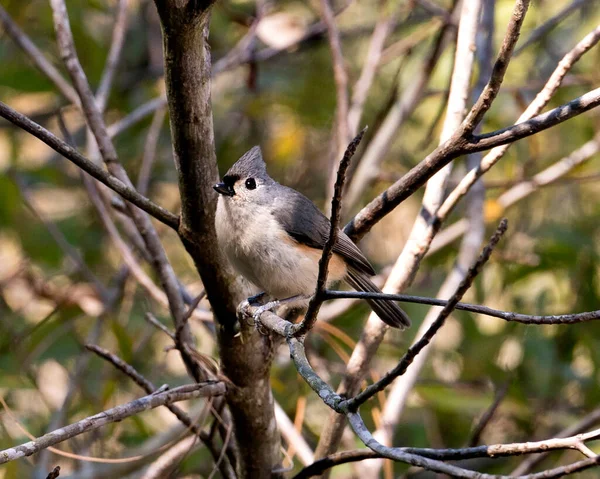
(547,264)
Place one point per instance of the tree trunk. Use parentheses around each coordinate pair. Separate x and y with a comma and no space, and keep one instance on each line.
(246,357)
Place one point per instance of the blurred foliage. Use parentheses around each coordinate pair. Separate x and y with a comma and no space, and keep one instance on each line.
(547,264)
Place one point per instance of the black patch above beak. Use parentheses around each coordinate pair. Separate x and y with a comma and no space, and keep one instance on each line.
(224,189)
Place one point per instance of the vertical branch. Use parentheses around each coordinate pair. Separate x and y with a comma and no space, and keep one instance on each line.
(246,357)
(384,27)
(342,129)
(336,208)
(112,61)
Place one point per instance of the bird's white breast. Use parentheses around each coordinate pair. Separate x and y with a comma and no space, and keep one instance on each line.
(261,250)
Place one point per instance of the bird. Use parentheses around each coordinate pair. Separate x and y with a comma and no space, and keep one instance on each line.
(274,237)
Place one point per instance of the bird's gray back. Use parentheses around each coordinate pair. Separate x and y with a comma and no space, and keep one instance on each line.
(305,223)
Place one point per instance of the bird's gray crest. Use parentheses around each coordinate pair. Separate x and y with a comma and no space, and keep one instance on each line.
(250,165)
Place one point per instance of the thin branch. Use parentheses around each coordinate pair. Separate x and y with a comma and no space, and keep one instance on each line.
(535,107)
(136,116)
(89,167)
(485,100)
(539,123)
(341,78)
(473,308)
(367,169)
(551,23)
(107,150)
(125,251)
(157,324)
(448,150)
(336,459)
(114,54)
(416,348)
(407,264)
(143,180)
(118,413)
(588,421)
(409,456)
(383,28)
(165,465)
(487,416)
(551,174)
(336,209)
(60,239)
(293,437)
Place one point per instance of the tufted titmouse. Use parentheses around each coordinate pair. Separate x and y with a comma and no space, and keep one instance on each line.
(274,237)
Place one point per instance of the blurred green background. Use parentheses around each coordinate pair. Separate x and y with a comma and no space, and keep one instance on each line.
(547,264)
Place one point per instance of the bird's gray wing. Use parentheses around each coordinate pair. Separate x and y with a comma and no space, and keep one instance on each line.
(304,222)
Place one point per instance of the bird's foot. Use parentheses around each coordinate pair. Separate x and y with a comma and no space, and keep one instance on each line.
(251,301)
(265,307)
(256,299)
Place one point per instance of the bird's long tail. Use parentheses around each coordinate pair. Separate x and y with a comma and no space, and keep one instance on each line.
(388,311)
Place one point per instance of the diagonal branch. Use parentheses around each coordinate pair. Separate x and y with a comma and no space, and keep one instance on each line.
(37,57)
(71,154)
(416,348)
(118,413)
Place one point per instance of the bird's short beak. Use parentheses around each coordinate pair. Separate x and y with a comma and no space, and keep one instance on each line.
(224,189)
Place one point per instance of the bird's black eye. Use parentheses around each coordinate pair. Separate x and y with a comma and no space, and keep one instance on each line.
(250,183)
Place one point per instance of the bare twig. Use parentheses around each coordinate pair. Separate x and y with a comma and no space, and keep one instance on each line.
(408,261)
(485,419)
(411,257)
(157,324)
(59,238)
(293,437)
(551,23)
(400,111)
(542,98)
(582,425)
(112,60)
(409,183)
(136,116)
(336,459)
(118,413)
(383,28)
(126,253)
(143,180)
(473,308)
(342,134)
(449,149)
(107,150)
(336,209)
(164,465)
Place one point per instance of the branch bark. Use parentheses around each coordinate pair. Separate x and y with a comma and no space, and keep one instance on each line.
(245,358)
